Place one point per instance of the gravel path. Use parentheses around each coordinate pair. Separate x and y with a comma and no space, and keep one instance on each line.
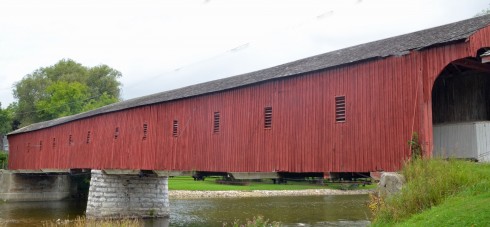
(181,194)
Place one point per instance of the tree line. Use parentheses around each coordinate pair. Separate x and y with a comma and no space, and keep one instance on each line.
(63,89)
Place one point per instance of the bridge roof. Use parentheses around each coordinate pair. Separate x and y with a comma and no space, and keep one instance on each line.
(394,46)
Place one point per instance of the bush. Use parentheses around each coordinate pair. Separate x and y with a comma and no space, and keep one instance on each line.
(4,160)
(429,183)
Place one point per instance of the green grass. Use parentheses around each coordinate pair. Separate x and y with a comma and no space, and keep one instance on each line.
(433,187)
(455,211)
(209,184)
(83,222)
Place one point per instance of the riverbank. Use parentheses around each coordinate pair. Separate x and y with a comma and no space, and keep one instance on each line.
(439,193)
(187,194)
(187,183)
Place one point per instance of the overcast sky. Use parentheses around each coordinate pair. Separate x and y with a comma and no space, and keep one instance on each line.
(160,45)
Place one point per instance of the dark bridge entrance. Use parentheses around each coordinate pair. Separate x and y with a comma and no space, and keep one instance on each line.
(461,110)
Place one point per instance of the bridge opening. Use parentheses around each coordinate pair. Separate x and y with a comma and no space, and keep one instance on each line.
(461,109)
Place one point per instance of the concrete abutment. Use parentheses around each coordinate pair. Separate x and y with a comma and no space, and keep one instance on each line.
(122,195)
(38,186)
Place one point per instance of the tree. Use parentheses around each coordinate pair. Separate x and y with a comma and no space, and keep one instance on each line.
(6,120)
(62,99)
(63,89)
(483,12)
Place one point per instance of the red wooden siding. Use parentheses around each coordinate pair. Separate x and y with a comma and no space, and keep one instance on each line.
(386,100)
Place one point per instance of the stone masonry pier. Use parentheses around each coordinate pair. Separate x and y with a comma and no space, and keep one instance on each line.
(123,195)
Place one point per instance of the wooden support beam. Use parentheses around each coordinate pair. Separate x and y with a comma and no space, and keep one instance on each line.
(122,171)
(171,173)
(485,59)
(55,170)
(472,64)
(254,175)
(26,171)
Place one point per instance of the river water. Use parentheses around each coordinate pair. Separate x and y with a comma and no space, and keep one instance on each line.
(334,210)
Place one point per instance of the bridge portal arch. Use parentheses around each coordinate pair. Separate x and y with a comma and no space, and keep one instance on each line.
(461,109)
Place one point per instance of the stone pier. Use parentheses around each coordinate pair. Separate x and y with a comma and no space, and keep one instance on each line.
(123,195)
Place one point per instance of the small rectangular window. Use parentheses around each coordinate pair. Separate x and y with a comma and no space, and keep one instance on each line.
(54,143)
(116,133)
(88,137)
(340,109)
(70,140)
(40,145)
(145,131)
(216,122)
(175,128)
(268,117)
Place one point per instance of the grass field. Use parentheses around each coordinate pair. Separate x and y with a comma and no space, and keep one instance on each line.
(455,211)
(209,184)
(440,193)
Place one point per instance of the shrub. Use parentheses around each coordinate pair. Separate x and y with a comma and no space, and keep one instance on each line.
(429,183)
(4,160)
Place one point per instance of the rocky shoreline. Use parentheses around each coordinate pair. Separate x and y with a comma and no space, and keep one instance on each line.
(182,194)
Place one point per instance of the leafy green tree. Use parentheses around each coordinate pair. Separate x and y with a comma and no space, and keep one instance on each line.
(6,124)
(62,99)
(6,118)
(63,89)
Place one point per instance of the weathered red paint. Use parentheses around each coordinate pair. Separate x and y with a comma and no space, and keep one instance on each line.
(386,100)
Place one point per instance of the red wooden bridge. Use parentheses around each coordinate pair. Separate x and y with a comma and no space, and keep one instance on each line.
(351,110)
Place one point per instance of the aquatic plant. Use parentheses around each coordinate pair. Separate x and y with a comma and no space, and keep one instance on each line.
(258,221)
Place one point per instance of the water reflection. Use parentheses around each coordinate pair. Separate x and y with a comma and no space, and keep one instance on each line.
(33,213)
(305,210)
(338,210)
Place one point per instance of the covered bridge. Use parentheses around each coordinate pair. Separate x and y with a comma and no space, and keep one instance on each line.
(350,110)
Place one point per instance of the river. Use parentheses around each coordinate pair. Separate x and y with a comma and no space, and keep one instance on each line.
(332,210)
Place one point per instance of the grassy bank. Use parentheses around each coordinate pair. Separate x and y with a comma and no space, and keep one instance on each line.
(209,184)
(83,222)
(258,221)
(440,193)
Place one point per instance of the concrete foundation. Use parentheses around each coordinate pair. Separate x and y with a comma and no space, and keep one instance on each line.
(16,187)
(119,195)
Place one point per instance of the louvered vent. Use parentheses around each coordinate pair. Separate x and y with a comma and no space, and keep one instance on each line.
(116,133)
(70,140)
(88,137)
(175,128)
(268,117)
(216,122)
(145,131)
(340,109)
(54,143)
